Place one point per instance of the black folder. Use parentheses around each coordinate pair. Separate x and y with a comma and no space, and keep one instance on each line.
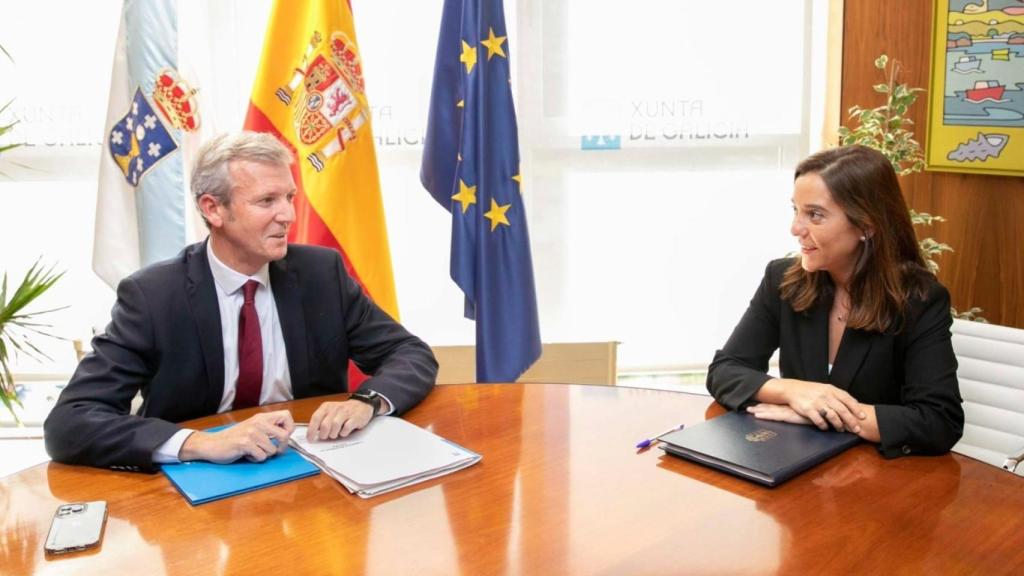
(761,451)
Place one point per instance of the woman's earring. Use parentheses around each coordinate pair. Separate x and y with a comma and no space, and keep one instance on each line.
(863,239)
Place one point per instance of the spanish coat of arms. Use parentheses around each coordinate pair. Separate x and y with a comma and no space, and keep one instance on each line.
(327,91)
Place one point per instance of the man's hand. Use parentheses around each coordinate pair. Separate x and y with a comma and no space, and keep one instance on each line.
(338,419)
(255,439)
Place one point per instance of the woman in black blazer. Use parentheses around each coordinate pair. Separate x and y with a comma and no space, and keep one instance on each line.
(861,325)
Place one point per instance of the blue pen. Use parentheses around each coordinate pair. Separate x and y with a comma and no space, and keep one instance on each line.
(646,443)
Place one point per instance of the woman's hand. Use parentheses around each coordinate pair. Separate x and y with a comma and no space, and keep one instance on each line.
(868,429)
(821,404)
(777,412)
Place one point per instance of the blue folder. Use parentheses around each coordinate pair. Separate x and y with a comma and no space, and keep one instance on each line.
(201,482)
(761,451)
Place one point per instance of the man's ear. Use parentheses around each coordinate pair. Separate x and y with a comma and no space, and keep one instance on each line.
(210,209)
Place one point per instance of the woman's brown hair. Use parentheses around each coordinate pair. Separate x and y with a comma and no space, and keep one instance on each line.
(889,268)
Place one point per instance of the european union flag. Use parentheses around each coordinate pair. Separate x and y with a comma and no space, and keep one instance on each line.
(471,167)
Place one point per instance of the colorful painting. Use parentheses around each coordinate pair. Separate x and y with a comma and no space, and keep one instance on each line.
(976,100)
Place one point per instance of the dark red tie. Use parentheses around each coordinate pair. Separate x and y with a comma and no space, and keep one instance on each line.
(250,351)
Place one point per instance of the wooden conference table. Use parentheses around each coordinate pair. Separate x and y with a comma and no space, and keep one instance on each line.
(560,490)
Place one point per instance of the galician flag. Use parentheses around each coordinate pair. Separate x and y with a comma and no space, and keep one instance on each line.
(144,212)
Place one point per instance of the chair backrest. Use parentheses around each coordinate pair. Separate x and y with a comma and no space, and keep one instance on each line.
(567,363)
(991,375)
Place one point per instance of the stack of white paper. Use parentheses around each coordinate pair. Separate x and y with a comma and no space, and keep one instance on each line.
(386,455)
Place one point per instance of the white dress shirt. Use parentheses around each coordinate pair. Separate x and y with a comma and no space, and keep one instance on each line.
(277,382)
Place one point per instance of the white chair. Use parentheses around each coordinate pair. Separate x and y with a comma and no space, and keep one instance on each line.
(991,375)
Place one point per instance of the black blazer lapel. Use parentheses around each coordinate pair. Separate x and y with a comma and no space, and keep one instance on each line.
(812,332)
(202,296)
(288,299)
(853,349)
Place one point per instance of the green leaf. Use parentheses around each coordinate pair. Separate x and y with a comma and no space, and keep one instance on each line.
(973,314)
(9,401)
(931,247)
(6,378)
(881,62)
(7,128)
(17,324)
(33,352)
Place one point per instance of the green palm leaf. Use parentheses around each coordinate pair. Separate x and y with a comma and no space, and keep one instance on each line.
(16,324)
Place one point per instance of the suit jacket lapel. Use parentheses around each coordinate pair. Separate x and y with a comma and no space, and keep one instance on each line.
(852,351)
(288,299)
(812,330)
(202,296)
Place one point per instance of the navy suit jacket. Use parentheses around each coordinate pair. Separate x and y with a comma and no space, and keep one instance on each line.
(908,375)
(164,338)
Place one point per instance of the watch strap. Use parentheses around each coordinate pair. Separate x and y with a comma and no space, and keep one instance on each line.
(370,397)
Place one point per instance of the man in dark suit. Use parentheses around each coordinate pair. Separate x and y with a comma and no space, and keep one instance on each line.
(239,320)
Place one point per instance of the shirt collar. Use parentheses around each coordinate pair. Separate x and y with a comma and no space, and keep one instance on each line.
(229,281)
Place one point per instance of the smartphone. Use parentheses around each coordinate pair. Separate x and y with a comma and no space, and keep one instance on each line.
(76,526)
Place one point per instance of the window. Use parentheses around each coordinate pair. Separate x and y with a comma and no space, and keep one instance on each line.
(657,139)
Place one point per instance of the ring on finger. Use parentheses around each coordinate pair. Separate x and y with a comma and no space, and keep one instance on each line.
(823,412)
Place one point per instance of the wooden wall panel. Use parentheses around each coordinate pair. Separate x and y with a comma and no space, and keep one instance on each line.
(985,214)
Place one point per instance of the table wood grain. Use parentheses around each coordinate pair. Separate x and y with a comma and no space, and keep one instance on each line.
(560,490)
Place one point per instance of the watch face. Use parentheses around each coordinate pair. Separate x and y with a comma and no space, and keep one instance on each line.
(370,397)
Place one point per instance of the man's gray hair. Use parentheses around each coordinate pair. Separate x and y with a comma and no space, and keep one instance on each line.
(210,172)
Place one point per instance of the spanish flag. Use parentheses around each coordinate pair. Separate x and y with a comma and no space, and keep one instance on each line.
(309,92)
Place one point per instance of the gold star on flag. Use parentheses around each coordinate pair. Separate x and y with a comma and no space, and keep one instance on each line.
(519,180)
(461,104)
(497,214)
(466,195)
(493,44)
(468,56)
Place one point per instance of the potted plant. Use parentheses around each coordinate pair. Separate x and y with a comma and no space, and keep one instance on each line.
(886,129)
(17,326)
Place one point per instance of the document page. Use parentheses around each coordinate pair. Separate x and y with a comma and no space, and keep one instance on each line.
(388,454)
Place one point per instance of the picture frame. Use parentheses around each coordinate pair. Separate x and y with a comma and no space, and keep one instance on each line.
(976,92)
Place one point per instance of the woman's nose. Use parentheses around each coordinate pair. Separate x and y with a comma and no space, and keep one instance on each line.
(797,228)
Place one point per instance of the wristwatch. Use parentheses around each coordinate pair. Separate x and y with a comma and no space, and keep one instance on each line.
(370,397)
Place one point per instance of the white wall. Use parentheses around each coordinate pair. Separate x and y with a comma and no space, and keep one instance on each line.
(658,245)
